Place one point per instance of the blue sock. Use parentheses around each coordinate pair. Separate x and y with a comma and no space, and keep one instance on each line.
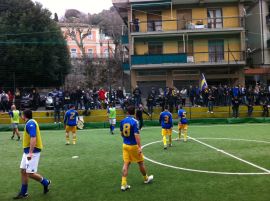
(112,128)
(24,189)
(44,182)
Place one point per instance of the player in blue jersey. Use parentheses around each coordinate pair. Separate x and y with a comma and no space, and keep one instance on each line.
(70,122)
(183,123)
(132,151)
(32,146)
(166,123)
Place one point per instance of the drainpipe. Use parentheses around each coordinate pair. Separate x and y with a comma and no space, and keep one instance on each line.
(262,18)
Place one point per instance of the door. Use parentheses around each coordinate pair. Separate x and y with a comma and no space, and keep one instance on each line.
(184,17)
(215,19)
(216,50)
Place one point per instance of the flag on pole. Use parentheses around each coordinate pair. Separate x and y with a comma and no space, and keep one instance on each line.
(203,84)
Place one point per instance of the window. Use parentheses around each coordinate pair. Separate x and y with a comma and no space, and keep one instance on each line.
(73,52)
(106,53)
(90,53)
(154,21)
(216,50)
(215,19)
(90,36)
(155,48)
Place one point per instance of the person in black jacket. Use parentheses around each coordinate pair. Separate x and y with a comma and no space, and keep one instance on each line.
(139,115)
(235,106)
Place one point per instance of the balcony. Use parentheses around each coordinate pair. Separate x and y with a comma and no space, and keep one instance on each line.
(125,66)
(189,26)
(124,39)
(193,59)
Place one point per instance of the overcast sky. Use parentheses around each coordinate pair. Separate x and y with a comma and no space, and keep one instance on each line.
(86,6)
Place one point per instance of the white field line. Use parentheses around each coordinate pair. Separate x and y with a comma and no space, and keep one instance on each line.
(228,154)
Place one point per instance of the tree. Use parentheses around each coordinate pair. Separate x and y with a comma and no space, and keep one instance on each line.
(32,47)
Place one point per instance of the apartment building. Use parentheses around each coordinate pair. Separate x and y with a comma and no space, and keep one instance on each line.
(96,44)
(172,42)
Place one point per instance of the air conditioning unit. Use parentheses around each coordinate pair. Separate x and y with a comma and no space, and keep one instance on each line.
(190,59)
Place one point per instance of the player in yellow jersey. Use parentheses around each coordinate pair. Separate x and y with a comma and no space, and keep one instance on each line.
(132,151)
(32,146)
(14,115)
(183,123)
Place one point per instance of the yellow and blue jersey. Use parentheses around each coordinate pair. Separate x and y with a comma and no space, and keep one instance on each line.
(14,116)
(129,127)
(182,114)
(32,130)
(71,118)
(166,120)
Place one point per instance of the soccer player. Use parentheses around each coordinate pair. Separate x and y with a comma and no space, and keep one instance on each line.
(166,123)
(70,122)
(15,120)
(112,117)
(32,145)
(183,123)
(132,151)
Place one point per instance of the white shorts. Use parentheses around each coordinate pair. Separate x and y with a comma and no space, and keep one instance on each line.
(112,121)
(32,165)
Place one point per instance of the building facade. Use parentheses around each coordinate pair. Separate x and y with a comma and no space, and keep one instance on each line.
(96,44)
(172,42)
(258,41)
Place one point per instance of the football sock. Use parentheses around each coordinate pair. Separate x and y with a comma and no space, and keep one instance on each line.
(185,135)
(170,139)
(112,128)
(74,139)
(44,182)
(145,177)
(24,189)
(179,134)
(124,181)
(164,141)
(67,137)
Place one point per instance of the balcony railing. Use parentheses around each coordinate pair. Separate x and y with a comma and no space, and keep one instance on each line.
(75,55)
(193,24)
(227,57)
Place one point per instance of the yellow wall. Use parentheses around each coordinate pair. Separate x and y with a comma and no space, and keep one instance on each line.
(231,11)
(169,24)
(143,20)
(141,48)
(199,14)
(170,47)
(200,46)
(234,45)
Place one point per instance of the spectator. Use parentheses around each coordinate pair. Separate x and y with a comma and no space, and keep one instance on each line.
(191,94)
(137,96)
(139,115)
(35,99)
(4,101)
(150,103)
(265,107)
(183,94)
(235,106)
(102,97)
(17,98)
(120,97)
(57,104)
(79,99)
(67,100)
(210,103)
(136,23)
(10,99)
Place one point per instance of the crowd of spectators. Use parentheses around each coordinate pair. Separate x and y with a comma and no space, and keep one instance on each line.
(90,99)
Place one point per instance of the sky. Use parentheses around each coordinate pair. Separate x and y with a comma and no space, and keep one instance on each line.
(86,6)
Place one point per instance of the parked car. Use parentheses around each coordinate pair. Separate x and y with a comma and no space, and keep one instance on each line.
(26,101)
(49,101)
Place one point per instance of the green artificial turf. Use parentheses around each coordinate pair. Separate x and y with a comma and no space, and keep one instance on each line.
(96,174)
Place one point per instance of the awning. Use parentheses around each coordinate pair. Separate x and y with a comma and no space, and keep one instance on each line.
(151,4)
(257,71)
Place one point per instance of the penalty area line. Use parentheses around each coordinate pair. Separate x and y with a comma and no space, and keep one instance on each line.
(228,154)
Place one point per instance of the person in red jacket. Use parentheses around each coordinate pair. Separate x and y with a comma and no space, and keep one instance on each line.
(102,96)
